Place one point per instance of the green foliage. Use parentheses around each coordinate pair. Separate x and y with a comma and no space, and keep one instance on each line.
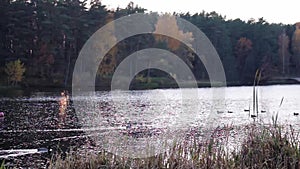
(15,71)
(50,34)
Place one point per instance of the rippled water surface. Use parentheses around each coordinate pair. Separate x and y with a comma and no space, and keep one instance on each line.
(192,107)
(34,122)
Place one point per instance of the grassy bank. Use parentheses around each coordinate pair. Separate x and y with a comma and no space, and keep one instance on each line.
(263,147)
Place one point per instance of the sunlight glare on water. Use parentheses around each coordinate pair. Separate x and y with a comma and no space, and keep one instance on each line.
(142,114)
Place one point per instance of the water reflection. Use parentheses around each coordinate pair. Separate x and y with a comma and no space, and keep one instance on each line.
(37,121)
(63,105)
(34,124)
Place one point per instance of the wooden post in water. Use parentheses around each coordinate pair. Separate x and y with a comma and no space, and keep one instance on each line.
(255,95)
(256,103)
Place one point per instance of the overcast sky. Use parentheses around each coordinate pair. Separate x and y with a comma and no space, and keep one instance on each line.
(283,11)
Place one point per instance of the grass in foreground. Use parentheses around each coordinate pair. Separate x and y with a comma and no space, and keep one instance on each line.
(263,147)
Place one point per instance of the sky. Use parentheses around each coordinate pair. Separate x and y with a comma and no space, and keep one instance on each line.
(283,11)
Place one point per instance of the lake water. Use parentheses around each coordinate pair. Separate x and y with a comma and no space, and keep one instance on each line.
(33,121)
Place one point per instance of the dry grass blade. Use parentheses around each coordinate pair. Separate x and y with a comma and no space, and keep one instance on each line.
(263,147)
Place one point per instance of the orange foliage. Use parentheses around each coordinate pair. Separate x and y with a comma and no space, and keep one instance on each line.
(296,40)
(242,50)
(45,56)
(243,47)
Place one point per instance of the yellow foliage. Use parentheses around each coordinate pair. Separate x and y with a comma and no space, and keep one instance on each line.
(168,24)
(109,62)
(15,71)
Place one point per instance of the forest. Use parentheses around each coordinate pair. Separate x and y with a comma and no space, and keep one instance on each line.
(40,41)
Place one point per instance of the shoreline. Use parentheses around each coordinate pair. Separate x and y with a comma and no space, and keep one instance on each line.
(22,90)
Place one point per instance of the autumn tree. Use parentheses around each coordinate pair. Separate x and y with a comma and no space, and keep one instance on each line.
(242,50)
(179,42)
(108,64)
(296,46)
(168,23)
(284,55)
(15,71)
(49,35)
